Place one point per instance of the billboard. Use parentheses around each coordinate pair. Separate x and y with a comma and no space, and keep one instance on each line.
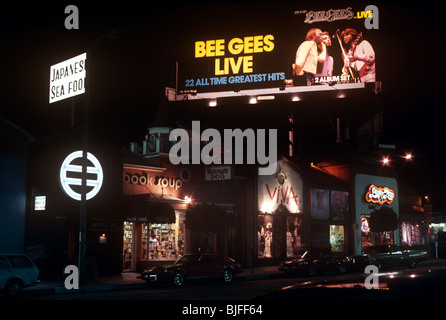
(298,48)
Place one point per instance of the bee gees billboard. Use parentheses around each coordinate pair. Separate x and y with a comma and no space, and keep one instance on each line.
(304,47)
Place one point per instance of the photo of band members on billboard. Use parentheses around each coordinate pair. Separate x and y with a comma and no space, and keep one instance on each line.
(314,62)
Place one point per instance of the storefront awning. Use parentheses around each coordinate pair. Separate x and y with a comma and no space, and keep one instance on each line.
(139,208)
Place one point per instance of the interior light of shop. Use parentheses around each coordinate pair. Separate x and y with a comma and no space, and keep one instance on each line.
(341,95)
(253,100)
(386,160)
(266,97)
(408,156)
(212,103)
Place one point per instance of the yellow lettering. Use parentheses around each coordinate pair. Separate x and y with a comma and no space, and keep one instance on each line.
(247,64)
(218,70)
(268,44)
(235,67)
(235,46)
(249,43)
(258,44)
(200,49)
(210,47)
(220,47)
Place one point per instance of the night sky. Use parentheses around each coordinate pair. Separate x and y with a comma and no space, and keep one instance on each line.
(129,73)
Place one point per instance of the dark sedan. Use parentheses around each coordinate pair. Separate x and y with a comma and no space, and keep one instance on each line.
(313,264)
(390,255)
(193,266)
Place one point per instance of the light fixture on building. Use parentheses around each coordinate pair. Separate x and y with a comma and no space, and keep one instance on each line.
(103,239)
(253,100)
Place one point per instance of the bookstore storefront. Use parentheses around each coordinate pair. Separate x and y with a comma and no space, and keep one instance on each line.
(153,228)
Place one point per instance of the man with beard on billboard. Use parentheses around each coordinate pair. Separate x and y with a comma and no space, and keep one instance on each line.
(307,57)
(360,55)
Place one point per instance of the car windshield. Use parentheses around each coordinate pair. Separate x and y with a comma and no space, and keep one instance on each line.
(376,249)
(188,258)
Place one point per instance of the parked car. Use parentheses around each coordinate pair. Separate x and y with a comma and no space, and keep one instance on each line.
(357,263)
(388,255)
(17,271)
(312,264)
(194,266)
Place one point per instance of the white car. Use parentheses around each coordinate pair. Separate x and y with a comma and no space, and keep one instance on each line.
(17,271)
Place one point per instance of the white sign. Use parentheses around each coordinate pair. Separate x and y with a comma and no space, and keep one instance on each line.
(67,182)
(67,78)
(39,203)
(217,173)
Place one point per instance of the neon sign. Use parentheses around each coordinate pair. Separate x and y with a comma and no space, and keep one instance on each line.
(67,182)
(380,195)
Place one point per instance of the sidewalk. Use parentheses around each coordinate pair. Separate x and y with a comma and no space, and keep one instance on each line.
(128,280)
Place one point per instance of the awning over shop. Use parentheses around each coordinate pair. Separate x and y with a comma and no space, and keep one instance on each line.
(140,208)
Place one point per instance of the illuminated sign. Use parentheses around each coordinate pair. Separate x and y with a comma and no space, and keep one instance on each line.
(284,187)
(67,78)
(39,203)
(380,195)
(296,49)
(68,179)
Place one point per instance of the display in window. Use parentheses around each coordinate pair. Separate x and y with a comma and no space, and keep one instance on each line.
(279,236)
(370,238)
(294,237)
(337,238)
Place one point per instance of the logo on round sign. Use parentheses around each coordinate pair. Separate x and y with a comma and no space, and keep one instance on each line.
(68,181)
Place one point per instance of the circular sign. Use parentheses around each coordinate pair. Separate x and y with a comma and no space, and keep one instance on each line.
(68,167)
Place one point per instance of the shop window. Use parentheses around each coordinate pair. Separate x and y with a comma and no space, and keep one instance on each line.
(411,234)
(279,236)
(320,207)
(337,238)
(370,238)
(339,205)
(164,241)
(128,246)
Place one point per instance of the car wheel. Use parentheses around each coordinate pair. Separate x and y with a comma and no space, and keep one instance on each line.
(342,268)
(13,288)
(178,279)
(312,271)
(227,276)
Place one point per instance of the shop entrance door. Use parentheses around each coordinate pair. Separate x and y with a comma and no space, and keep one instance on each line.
(128,250)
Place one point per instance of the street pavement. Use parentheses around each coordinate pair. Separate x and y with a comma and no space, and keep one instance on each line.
(129,280)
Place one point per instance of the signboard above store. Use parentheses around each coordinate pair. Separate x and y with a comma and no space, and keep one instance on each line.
(67,78)
(380,195)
